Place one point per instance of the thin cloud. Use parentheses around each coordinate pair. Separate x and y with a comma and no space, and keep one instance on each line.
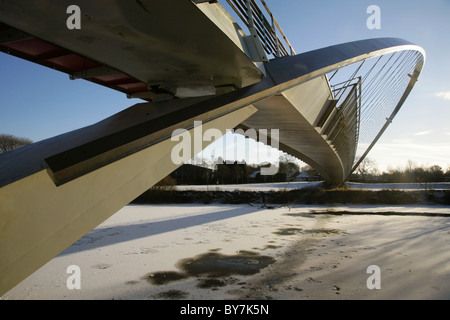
(397,154)
(443,95)
(422,133)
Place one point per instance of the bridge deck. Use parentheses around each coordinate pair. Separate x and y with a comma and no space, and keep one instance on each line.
(142,48)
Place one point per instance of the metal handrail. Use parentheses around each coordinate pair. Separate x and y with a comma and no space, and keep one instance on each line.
(253,17)
(275,23)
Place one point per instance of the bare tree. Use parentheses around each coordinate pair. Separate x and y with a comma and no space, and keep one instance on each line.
(9,142)
(287,164)
(366,167)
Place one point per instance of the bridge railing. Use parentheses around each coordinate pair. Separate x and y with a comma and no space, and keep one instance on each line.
(263,26)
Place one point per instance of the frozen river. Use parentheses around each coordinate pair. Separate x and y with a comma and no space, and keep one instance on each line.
(246,252)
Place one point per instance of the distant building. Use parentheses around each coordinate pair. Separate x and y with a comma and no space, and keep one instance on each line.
(189,174)
(292,176)
(302,176)
(231,173)
(312,175)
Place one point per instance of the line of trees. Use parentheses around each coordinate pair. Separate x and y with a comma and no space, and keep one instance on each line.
(9,142)
(411,173)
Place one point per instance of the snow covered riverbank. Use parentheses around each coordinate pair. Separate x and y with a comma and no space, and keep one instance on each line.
(276,186)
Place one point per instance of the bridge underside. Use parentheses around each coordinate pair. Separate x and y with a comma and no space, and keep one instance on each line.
(295,111)
(54,191)
(147,49)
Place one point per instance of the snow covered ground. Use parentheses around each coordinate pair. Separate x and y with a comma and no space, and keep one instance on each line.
(250,187)
(299,185)
(399,186)
(245,252)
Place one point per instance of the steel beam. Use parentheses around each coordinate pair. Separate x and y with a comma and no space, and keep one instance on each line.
(40,217)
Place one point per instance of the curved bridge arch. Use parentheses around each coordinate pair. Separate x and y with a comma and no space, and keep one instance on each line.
(292,74)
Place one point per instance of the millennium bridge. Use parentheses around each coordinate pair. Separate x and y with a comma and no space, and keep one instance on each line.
(225,64)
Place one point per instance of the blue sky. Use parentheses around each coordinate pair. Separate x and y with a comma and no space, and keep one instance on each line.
(39,103)
(421,130)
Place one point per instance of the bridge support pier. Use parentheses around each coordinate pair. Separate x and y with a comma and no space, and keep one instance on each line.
(40,216)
